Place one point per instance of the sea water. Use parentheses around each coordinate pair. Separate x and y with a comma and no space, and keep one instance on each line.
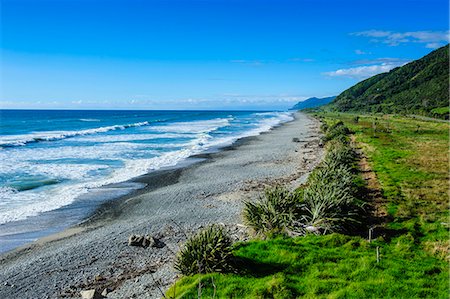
(54,165)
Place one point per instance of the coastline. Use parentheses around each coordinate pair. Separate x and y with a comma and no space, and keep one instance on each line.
(174,203)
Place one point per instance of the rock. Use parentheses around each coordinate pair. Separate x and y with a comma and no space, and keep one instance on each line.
(135,240)
(106,291)
(91,294)
(295,139)
(157,243)
(151,241)
(145,241)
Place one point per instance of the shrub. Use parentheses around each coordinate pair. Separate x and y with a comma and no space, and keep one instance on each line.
(274,212)
(341,153)
(324,127)
(335,130)
(329,203)
(209,250)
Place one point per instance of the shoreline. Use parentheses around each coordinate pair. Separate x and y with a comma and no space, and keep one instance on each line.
(118,192)
(174,203)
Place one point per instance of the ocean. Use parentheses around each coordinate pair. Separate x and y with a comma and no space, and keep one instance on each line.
(58,166)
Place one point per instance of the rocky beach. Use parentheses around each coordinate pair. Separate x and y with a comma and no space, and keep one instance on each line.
(174,204)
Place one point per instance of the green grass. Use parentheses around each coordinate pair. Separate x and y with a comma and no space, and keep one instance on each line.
(410,158)
(331,266)
(441,110)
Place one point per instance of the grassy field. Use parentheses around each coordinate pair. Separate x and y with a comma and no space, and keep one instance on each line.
(410,162)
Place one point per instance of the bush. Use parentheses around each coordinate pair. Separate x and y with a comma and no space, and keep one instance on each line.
(208,251)
(324,127)
(335,130)
(329,204)
(274,212)
(328,210)
(341,153)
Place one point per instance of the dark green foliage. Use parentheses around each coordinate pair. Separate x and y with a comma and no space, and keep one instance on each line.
(340,153)
(207,251)
(416,88)
(324,127)
(329,202)
(337,130)
(441,112)
(274,212)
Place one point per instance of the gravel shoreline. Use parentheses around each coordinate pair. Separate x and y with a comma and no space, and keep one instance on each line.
(175,203)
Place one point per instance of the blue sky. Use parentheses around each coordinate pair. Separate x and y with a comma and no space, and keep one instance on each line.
(205,54)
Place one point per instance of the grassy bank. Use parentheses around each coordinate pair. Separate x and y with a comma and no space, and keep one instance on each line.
(408,160)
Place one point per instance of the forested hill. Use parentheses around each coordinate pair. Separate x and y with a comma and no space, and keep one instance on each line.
(419,87)
(312,103)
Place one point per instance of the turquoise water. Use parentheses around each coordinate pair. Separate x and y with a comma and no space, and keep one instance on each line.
(51,161)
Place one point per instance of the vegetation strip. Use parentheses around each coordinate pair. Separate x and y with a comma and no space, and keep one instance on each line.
(408,251)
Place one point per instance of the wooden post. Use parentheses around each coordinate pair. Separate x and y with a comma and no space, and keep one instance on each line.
(378,254)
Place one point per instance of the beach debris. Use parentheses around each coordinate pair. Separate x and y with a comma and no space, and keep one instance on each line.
(145,241)
(91,294)
(295,139)
(99,278)
(312,229)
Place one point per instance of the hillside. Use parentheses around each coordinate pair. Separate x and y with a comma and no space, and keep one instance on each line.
(312,103)
(419,87)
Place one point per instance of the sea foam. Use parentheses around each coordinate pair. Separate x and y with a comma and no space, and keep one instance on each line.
(99,160)
(21,140)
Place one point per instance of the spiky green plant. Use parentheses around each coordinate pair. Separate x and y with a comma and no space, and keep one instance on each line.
(329,203)
(272,213)
(340,153)
(329,207)
(337,129)
(208,251)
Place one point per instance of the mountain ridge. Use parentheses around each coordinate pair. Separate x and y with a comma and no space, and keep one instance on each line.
(313,102)
(419,87)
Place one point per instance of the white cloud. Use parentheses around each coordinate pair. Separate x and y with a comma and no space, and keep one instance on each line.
(298,59)
(387,60)
(432,39)
(362,72)
(433,45)
(361,52)
(248,62)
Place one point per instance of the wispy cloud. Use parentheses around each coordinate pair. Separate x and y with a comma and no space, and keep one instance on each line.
(298,59)
(366,71)
(431,39)
(386,60)
(361,52)
(248,62)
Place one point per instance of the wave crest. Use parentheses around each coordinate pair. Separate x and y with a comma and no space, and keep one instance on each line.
(21,140)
